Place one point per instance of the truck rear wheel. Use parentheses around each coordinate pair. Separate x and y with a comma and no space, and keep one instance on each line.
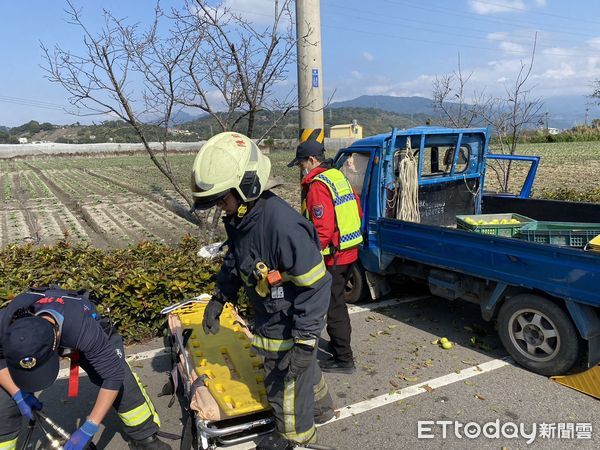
(538,334)
(355,284)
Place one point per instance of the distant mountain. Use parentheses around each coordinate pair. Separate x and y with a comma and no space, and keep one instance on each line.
(400,105)
(566,111)
(563,111)
(373,121)
(180,117)
(3,128)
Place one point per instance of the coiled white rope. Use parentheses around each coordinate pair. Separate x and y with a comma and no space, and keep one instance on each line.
(408,184)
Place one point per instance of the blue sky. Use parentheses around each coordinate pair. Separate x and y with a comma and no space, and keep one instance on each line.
(389,47)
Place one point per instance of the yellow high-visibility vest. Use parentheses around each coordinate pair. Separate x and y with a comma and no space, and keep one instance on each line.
(347,216)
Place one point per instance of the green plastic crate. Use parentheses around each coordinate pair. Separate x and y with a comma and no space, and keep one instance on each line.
(505,230)
(569,234)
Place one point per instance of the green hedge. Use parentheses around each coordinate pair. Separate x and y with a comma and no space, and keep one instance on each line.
(136,282)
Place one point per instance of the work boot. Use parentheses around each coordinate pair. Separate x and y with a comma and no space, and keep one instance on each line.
(333,365)
(275,441)
(150,443)
(324,416)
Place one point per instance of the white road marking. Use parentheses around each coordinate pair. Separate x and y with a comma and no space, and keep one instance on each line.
(384,304)
(64,373)
(410,391)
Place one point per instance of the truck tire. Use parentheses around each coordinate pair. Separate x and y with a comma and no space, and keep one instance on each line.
(356,284)
(538,334)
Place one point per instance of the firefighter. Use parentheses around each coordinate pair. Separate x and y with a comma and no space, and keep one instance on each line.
(273,252)
(331,204)
(36,329)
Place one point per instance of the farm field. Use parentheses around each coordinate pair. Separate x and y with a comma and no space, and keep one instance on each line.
(114,201)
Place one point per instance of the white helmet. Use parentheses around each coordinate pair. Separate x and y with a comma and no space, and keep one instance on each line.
(228,161)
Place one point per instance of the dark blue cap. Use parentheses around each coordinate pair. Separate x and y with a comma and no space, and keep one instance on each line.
(30,349)
(306,149)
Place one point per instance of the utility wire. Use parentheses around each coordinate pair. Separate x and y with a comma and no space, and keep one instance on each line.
(446,33)
(31,102)
(448,44)
(480,18)
(341,9)
(495,50)
(541,13)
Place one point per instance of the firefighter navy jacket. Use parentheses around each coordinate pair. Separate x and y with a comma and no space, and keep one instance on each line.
(81,330)
(274,233)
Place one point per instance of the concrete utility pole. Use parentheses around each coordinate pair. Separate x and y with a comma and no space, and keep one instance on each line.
(310,71)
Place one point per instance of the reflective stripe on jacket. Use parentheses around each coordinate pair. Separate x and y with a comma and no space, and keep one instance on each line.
(347,215)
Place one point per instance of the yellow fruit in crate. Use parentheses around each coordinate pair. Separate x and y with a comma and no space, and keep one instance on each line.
(504,221)
(494,222)
(470,221)
(514,221)
(480,222)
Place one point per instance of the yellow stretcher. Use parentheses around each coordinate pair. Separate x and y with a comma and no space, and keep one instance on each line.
(222,381)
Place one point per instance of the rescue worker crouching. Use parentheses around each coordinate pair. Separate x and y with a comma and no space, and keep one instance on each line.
(39,326)
(266,236)
(331,204)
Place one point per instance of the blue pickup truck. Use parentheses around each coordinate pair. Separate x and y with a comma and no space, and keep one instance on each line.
(545,298)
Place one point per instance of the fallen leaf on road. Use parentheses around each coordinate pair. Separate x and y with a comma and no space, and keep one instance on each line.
(427,388)
(469,363)
(436,342)
(394,383)
(410,379)
(469,383)
(479,397)
(391,327)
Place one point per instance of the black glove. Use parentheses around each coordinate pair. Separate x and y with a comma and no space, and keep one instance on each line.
(212,313)
(298,359)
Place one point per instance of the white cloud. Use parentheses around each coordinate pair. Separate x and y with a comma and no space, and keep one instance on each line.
(367,56)
(356,74)
(594,42)
(504,6)
(497,36)
(512,47)
(559,70)
(564,72)
(498,6)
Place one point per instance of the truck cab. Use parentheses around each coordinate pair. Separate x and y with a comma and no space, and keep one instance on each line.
(544,297)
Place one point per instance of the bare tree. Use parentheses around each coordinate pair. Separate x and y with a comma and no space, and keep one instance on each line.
(239,61)
(200,57)
(449,99)
(508,116)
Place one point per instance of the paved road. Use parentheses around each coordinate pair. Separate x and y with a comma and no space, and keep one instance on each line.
(403,379)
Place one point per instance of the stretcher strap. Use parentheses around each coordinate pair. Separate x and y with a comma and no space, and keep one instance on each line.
(73,390)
